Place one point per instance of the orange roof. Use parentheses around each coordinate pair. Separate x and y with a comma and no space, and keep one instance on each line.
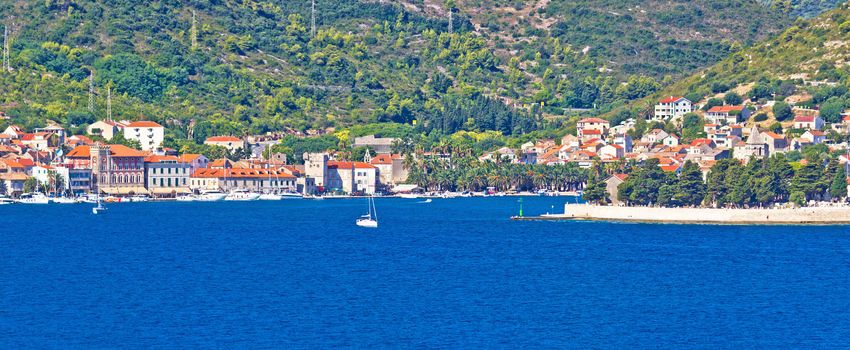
(725,109)
(12,163)
(80,138)
(160,159)
(591,132)
(14,176)
(350,165)
(816,133)
(773,135)
(698,142)
(240,173)
(621,176)
(384,159)
(26,161)
(114,150)
(670,168)
(223,139)
(671,99)
(189,157)
(221,162)
(804,119)
(144,124)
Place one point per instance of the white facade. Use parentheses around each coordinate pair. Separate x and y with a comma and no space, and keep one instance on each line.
(149,134)
(673,107)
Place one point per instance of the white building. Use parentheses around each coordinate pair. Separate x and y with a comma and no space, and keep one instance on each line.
(149,134)
(105,128)
(673,107)
(808,122)
(351,177)
(230,142)
(727,114)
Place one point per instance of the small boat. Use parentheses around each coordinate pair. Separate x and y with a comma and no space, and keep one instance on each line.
(369,220)
(270,197)
(6,200)
(210,196)
(241,195)
(87,198)
(64,200)
(139,198)
(33,198)
(291,195)
(99,209)
(408,196)
(186,198)
(113,199)
(425,201)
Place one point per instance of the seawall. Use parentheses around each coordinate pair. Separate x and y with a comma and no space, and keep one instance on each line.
(809,215)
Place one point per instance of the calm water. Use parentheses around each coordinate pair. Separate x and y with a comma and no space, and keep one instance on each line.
(449,274)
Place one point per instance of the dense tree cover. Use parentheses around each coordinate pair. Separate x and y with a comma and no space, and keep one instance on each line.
(730,183)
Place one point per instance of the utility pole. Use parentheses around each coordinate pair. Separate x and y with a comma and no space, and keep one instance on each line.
(312,18)
(193,33)
(7,66)
(451,25)
(91,92)
(109,102)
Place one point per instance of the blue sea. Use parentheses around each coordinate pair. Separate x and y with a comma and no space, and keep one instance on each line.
(454,273)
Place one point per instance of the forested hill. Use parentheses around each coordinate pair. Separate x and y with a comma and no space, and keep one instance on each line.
(255,66)
(813,52)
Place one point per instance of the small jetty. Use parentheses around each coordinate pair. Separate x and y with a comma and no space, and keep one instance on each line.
(827,215)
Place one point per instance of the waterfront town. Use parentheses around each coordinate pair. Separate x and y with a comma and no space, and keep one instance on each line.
(49,161)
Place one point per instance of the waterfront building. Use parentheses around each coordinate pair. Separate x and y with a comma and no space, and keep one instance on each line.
(351,177)
(257,180)
(166,176)
(116,169)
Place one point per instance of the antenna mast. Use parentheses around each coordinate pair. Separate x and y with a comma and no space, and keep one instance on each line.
(193,33)
(91,92)
(6,64)
(109,102)
(312,18)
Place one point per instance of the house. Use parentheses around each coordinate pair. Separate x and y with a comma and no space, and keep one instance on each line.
(654,136)
(195,161)
(612,186)
(149,134)
(391,168)
(842,128)
(380,145)
(585,125)
(351,177)
(14,132)
(591,134)
(672,107)
(105,128)
(727,114)
(14,183)
(670,141)
(231,143)
(53,129)
(813,136)
(39,141)
(570,140)
(775,143)
(116,169)
(612,152)
(755,146)
(256,180)
(167,176)
(78,140)
(623,140)
(809,122)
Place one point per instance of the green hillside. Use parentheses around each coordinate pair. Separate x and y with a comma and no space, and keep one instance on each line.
(249,67)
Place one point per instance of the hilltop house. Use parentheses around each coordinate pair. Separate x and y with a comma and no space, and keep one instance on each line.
(813,136)
(727,114)
(672,107)
(654,136)
(590,128)
(232,143)
(809,122)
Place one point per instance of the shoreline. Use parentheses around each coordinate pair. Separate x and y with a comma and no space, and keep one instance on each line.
(707,216)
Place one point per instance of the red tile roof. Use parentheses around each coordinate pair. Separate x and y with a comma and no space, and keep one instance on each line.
(725,109)
(223,139)
(672,99)
(385,159)
(591,132)
(144,124)
(189,157)
(114,150)
(350,165)
(160,159)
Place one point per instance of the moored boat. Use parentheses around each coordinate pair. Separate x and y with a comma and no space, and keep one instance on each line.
(210,196)
(241,195)
(33,198)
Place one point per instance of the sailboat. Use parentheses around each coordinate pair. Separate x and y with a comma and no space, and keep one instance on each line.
(371,219)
